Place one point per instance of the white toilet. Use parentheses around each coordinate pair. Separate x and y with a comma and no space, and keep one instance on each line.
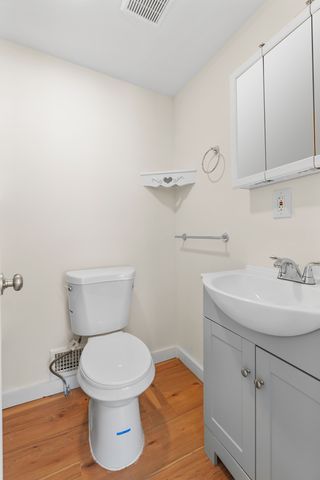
(115,367)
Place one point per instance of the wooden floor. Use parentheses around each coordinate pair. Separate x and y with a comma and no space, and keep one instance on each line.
(48,439)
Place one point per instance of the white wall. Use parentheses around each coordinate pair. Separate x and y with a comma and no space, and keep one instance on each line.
(72,145)
(202,119)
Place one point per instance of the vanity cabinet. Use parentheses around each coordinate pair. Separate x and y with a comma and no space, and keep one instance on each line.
(230,413)
(285,108)
(262,414)
(287,421)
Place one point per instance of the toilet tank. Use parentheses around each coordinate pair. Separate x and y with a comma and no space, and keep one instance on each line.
(99,299)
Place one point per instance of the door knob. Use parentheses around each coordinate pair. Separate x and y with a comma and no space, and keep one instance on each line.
(245,372)
(259,383)
(16,283)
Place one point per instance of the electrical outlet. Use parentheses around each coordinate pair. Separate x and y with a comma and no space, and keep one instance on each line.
(282,203)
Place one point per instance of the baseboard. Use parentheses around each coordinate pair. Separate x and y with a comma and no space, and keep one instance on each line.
(45,389)
(190,363)
(36,391)
(164,354)
(178,352)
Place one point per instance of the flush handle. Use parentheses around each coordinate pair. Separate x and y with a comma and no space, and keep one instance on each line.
(16,283)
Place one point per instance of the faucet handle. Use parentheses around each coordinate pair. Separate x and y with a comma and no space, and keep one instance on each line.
(308,275)
(277,262)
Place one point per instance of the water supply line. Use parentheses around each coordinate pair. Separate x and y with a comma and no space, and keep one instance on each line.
(66,387)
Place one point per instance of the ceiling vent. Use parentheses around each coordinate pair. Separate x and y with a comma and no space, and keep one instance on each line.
(151,11)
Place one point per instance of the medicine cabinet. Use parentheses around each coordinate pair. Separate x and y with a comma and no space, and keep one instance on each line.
(276,103)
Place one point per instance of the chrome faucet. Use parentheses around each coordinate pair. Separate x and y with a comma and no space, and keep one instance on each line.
(289,270)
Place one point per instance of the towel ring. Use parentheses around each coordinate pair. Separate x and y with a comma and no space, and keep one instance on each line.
(217,156)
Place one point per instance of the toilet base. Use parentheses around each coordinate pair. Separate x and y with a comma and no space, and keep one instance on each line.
(115,433)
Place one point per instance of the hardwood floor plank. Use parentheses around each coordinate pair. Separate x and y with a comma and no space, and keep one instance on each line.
(27,427)
(47,456)
(175,391)
(194,466)
(73,472)
(177,384)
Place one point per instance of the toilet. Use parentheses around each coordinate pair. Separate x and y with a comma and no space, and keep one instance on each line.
(115,367)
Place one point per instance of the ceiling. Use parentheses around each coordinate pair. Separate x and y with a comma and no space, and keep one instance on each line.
(99,35)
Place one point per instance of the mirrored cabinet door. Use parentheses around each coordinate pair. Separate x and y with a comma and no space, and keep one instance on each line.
(289,99)
(250,139)
(316,52)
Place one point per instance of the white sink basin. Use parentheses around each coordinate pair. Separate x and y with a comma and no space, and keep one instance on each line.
(256,299)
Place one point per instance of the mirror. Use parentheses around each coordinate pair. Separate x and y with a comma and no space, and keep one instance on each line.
(316,43)
(250,121)
(289,98)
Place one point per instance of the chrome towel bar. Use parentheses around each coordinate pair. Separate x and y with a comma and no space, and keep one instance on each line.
(224,237)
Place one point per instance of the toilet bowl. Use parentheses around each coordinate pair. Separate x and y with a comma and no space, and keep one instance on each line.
(114,370)
(115,367)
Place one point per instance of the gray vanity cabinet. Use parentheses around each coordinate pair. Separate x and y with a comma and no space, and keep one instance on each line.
(230,396)
(262,414)
(288,421)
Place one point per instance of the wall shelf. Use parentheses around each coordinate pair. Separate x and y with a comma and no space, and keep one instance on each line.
(168,179)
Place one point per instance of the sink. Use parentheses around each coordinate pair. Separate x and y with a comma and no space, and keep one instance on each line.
(256,299)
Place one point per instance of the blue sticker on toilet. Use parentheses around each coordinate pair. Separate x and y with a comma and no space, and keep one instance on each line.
(123,432)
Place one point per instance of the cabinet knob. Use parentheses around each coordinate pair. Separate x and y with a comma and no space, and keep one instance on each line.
(259,383)
(245,372)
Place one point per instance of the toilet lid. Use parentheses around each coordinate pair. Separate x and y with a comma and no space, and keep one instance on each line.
(115,360)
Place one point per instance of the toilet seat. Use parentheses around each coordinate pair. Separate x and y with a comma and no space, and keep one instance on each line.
(115,367)
(115,360)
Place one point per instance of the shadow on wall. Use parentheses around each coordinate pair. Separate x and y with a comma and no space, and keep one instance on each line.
(215,253)
(171,198)
(139,321)
(217,174)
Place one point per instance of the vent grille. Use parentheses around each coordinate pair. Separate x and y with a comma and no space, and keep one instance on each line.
(68,364)
(149,10)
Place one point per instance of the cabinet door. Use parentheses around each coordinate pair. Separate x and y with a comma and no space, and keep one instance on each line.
(249,141)
(287,421)
(229,396)
(316,53)
(289,104)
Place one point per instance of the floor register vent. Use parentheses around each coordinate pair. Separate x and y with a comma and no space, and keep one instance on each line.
(69,364)
(149,10)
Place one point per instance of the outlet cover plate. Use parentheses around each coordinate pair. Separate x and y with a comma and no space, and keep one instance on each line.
(282,203)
